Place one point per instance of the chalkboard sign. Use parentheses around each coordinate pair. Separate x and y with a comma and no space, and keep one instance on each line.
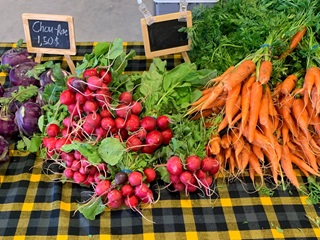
(52,34)
(163,36)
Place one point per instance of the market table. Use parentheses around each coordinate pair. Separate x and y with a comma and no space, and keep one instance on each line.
(35,206)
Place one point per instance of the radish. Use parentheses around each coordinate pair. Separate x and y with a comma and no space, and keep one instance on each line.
(77,85)
(89,181)
(200,174)
(174,178)
(114,195)
(154,138)
(88,129)
(174,165)
(215,168)
(90,106)
(79,178)
(123,134)
(208,163)
(136,107)
(120,178)
(68,173)
(133,123)
(89,72)
(93,119)
(115,204)
(140,133)
(80,98)
(105,113)
(67,97)
(75,165)
(193,163)
(120,122)
(105,75)
(132,202)
(167,135)
(163,122)
(125,97)
(52,130)
(127,190)
(148,198)
(187,178)
(135,178)
(123,110)
(77,155)
(179,186)
(133,143)
(107,123)
(67,156)
(100,133)
(148,123)
(150,174)
(102,188)
(148,149)
(88,93)
(75,109)
(141,191)
(60,142)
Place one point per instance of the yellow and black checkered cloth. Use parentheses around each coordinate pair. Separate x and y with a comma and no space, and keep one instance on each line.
(34,206)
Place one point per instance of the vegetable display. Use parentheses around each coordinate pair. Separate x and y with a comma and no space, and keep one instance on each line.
(247,104)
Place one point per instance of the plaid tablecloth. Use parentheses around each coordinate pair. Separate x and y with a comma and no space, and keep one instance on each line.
(34,206)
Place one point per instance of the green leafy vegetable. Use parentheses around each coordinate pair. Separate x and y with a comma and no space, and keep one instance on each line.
(111,150)
(87,150)
(90,211)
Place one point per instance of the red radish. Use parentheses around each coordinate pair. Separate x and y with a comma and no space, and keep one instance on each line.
(68,173)
(101,95)
(93,119)
(148,198)
(60,142)
(67,97)
(75,109)
(133,143)
(88,128)
(115,204)
(105,75)
(193,163)
(102,188)
(65,132)
(67,156)
(125,97)
(148,149)
(191,188)
(174,165)
(80,98)
(52,130)
(167,136)
(150,174)
(154,138)
(83,170)
(215,168)
(208,151)
(179,186)
(68,122)
(107,123)
(123,110)
(174,178)
(207,181)
(49,142)
(89,180)
(127,190)
(208,163)
(69,82)
(94,83)
(76,165)
(90,106)
(201,174)
(97,177)
(148,123)
(187,178)
(120,122)
(135,178)
(77,155)
(89,72)
(114,195)
(88,93)
(105,113)
(92,170)
(133,123)
(136,107)
(163,122)
(79,178)
(124,134)
(100,133)
(140,133)
(131,202)
(77,85)
(141,191)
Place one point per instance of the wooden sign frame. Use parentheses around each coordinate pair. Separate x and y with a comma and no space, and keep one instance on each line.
(46,50)
(163,18)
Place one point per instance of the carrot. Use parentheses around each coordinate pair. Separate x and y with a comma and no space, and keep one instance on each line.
(287,167)
(205,113)
(301,115)
(214,144)
(304,144)
(288,119)
(225,141)
(285,133)
(272,158)
(254,165)
(235,119)
(288,84)
(236,108)
(233,95)
(265,71)
(238,144)
(264,110)
(272,110)
(221,77)
(218,89)
(259,139)
(232,163)
(245,100)
(254,109)
(257,151)
(240,73)
(296,39)
(301,164)
(243,158)
(309,80)
(314,118)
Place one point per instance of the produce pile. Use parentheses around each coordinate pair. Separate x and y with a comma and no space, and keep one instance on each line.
(248,103)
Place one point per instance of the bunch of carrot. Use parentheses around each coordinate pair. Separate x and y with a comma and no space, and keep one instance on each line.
(266,130)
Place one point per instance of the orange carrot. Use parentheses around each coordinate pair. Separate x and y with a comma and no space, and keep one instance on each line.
(265,71)
(309,80)
(257,151)
(272,158)
(285,133)
(203,114)
(218,89)
(245,100)
(240,73)
(232,163)
(225,141)
(233,95)
(301,115)
(214,144)
(264,110)
(288,84)
(302,165)
(243,158)
(255,104)
(255,165)
(236,108)
(287,167)
(272,110)
(259,139)
(287,118)
(294,42)
(304,144)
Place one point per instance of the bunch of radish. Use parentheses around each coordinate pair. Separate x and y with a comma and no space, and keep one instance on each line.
(193,174)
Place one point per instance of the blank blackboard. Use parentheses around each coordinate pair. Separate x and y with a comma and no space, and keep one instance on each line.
(52,34)
(163,37)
